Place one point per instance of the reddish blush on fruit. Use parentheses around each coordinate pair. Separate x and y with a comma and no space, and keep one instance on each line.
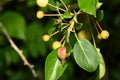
(62,53)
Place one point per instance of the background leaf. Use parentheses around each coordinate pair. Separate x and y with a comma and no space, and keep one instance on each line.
(88,6)
(100,15)
(53,67)
(11,56)
(34,38)
(85,55)
(14,24)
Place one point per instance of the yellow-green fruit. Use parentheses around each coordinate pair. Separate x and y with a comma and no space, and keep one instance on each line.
(40,14)
(56,44)
(99,36)
(46,37)
(42,3)
(84,34)
(104,34)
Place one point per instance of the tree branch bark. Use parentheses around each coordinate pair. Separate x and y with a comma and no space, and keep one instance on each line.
(20,52)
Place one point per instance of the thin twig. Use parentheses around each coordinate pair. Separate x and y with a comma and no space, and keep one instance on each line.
(64,5)
(56,7)
(99,26)
(54,33)
(52,14)
(20,52)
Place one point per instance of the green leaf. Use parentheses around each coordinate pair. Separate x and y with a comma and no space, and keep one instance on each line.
(100,15)
(88,6)
(14,24)
(99,4)
(53,67)
(69,1)
(11,56)
(85,55)
(101,64)
(67,14)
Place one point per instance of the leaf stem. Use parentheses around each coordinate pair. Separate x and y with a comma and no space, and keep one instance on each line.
(56,7)
(91,32)
(52,14)
(64,4)
(99,26)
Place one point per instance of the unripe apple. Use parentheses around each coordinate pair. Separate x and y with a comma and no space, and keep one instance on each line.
(84,34)
(42,3)
(45,37)
(99,36)
(104,34)
(40,14)
(56,44)
(62,54)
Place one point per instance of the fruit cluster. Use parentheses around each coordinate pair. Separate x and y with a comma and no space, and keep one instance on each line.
(67,24)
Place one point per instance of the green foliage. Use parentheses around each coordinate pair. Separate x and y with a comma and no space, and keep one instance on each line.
(100,15)
(84,62)
(11,56)
(53,67)
(88,6)
(85,55)
(31,3)
(67,14)
(15,24)
(101,64)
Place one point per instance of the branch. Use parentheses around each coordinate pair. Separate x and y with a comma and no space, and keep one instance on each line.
(20,52)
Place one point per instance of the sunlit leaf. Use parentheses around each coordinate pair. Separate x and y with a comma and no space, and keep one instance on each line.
(88,6)
(53,67)
(99,4)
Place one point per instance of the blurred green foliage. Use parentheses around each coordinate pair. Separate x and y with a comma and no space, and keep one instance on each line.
(19,18)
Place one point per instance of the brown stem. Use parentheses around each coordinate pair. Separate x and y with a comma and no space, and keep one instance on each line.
(20,52)
(99,26)
(62,39)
